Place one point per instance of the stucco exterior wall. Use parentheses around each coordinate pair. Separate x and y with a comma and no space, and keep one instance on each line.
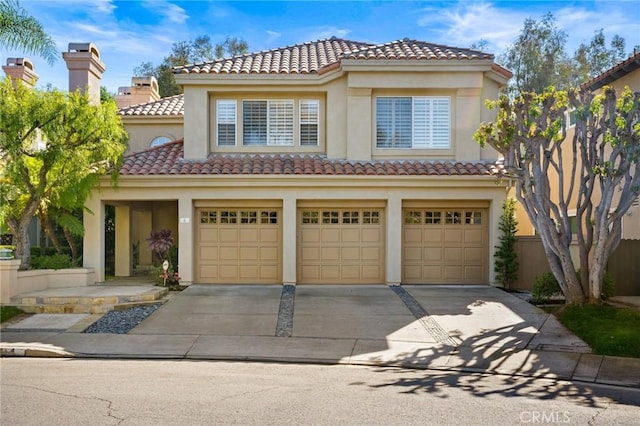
(347,119)
(289,190)
(142,132)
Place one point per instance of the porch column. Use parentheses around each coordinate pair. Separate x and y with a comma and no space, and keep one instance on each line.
(144,220)
(289,239)
(123,241)
(394,240)
(186,225)
(93,254)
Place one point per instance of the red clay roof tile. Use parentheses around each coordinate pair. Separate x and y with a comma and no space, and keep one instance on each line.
(170,106)
(168,160)
(317,56)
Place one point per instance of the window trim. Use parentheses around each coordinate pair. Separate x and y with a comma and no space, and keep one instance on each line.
(269,141)
(429,146)
(301,122)
(235,121)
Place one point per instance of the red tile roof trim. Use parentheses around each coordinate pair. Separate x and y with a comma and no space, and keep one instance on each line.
(612,74)
(168,160)
(169,106)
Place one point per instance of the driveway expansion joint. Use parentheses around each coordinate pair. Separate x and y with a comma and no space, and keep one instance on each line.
(433,328)
(284,326)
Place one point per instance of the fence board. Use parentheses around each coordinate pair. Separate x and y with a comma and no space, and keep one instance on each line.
(532,262)
(624,265)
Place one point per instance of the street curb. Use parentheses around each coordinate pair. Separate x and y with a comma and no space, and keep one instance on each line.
(44,352)
(34,352)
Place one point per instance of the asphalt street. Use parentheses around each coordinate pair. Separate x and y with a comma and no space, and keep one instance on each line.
(108,392)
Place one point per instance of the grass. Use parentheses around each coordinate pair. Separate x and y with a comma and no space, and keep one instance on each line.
(607,329)
(8,312)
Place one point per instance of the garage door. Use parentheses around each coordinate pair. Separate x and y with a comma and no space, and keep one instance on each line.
(239,245)
(445,246)
(340,246)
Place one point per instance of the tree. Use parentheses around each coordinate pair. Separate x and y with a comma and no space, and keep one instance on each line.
(53,149)
(188,52)
(18,30)
(595,58)
(537,58)
(506,264)
(602,174)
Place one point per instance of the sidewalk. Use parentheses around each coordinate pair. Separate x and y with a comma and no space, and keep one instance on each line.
(471,329)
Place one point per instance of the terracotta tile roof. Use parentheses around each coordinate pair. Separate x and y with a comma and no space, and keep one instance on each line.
(170,106)
(415,49)
(318,56)
(168,160)
(612,74)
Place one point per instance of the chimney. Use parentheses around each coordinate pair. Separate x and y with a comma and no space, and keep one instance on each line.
(21,69)
(85,69)
(141,91)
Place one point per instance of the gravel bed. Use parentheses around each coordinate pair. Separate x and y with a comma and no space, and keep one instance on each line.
(121,322)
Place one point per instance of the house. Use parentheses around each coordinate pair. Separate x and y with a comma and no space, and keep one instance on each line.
(624,74)
(328,162)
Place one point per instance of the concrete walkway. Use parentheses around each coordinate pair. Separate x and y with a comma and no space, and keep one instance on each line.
(477,329)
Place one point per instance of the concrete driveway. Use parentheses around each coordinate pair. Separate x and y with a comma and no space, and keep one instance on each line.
(469,328)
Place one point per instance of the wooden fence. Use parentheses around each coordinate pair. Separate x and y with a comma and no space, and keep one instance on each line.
(624,265)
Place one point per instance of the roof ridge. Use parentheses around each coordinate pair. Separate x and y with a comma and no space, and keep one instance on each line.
(151,102)
(422,43)
(275,49)
(154,148)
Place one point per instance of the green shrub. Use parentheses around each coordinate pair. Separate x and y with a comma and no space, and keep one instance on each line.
(608,286)
(47,251)
(55,261)
(545,288)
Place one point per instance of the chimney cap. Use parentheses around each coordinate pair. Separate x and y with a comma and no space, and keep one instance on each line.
(84,47)
(20,62)
(148,80)
(124,90)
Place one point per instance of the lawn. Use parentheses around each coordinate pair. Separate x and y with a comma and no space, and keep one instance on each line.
(7,312)
(607,329)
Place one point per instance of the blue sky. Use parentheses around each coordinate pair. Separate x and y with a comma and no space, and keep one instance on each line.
(130,32)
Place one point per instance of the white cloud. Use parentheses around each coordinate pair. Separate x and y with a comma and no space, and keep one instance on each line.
(172,13)
(272,36)
(467,23)
(322,32)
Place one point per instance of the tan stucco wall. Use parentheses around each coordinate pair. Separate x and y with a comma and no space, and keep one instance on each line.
(347,125)
(142,132)
(289,190)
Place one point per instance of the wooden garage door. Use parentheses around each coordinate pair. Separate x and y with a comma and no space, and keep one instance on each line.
(239,245)
(445,246)
(340,246)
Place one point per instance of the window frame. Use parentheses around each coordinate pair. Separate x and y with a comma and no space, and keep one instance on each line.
(302,122)
(314,102)
(430,142)
(235,121)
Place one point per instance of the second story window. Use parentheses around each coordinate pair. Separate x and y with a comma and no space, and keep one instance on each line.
(267,122)
(420,122)
(226,122)
(309,112)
